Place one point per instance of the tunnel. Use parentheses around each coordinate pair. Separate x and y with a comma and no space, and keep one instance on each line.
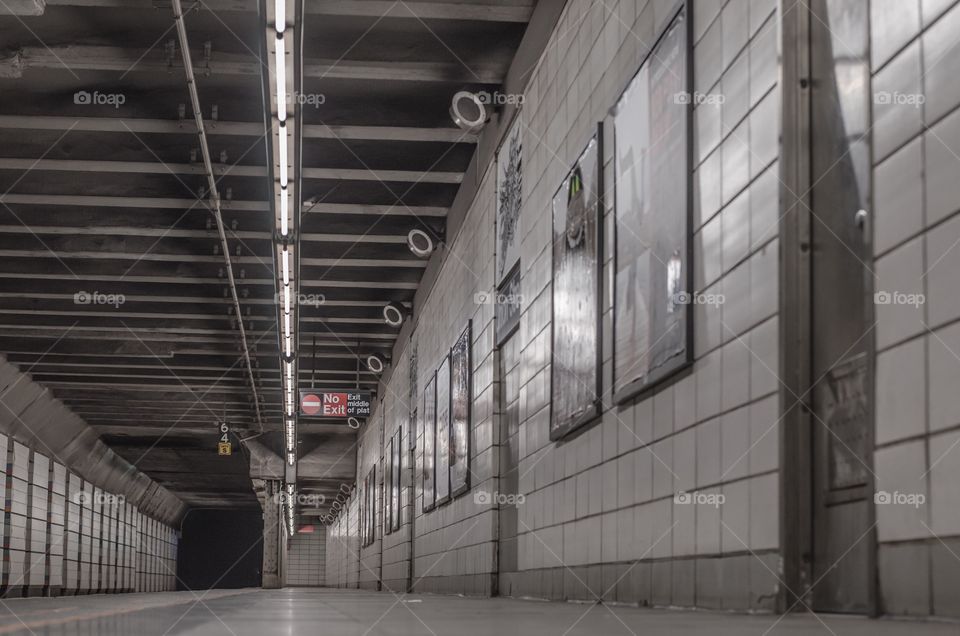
(552,317)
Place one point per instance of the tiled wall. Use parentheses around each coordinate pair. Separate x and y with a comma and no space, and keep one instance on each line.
(343,547)
(63,536)
(306,558)
(916,236)
(598,518)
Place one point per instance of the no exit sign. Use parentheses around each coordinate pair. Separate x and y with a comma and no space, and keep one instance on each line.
(331,403)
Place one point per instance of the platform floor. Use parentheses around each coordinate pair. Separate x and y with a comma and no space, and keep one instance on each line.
(298,612)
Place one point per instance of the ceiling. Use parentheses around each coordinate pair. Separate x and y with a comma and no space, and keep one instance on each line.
(113,288)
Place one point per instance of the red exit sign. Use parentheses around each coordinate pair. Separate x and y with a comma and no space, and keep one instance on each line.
(314,403)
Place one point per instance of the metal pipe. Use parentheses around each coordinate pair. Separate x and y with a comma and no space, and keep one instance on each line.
(214,194)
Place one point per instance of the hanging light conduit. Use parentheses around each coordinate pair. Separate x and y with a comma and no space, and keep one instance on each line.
(214,195)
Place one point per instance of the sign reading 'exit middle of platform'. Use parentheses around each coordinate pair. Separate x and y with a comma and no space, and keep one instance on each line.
(332,403)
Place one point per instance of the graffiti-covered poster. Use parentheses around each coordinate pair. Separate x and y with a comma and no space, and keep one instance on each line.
(575,383)
(652,171)
(442,481)
(428,418)
(460,414)
(509,199)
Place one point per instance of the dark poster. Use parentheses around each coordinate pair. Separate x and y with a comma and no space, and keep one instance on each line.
(395,477)
(443,431)
(428,414)
(651,338)
(509,199)
(388,488)
(506,308)
(575,360)
(460,413)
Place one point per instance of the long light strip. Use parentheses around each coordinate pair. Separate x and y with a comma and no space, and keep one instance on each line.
(280,18)
(286,231)
(283,156)
(284,211)
(281,79)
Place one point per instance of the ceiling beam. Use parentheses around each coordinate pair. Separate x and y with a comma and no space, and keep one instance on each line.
(485,11)
(157,167)
(127,60)
(345,261)
(22,7)
(231,128)
(245,206)
(126,230)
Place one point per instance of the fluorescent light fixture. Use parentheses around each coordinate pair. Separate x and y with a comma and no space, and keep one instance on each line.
(280,16)
(285,264)
(288,345)
(287,324)
(290,371)
(281,70)
(283,155)
(286,299)
(284,211)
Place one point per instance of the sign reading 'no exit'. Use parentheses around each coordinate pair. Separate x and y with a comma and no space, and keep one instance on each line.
(326,403)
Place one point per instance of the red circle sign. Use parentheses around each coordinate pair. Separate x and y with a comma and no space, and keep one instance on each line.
(310,404)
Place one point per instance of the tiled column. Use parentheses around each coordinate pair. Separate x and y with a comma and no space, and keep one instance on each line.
(271,538)
(56,518)
(72,556)
(86,538)
(18,494)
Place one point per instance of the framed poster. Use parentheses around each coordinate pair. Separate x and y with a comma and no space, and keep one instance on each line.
(575,353)
(442,463)
(428,413)
(460,398)
(507,307)
(388,487)
(509,199)
(395,479)
(652,277)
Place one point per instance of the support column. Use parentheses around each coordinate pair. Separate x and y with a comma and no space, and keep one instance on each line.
(271,535)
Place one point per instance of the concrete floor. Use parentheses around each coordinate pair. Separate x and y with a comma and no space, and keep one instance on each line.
(296,612)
